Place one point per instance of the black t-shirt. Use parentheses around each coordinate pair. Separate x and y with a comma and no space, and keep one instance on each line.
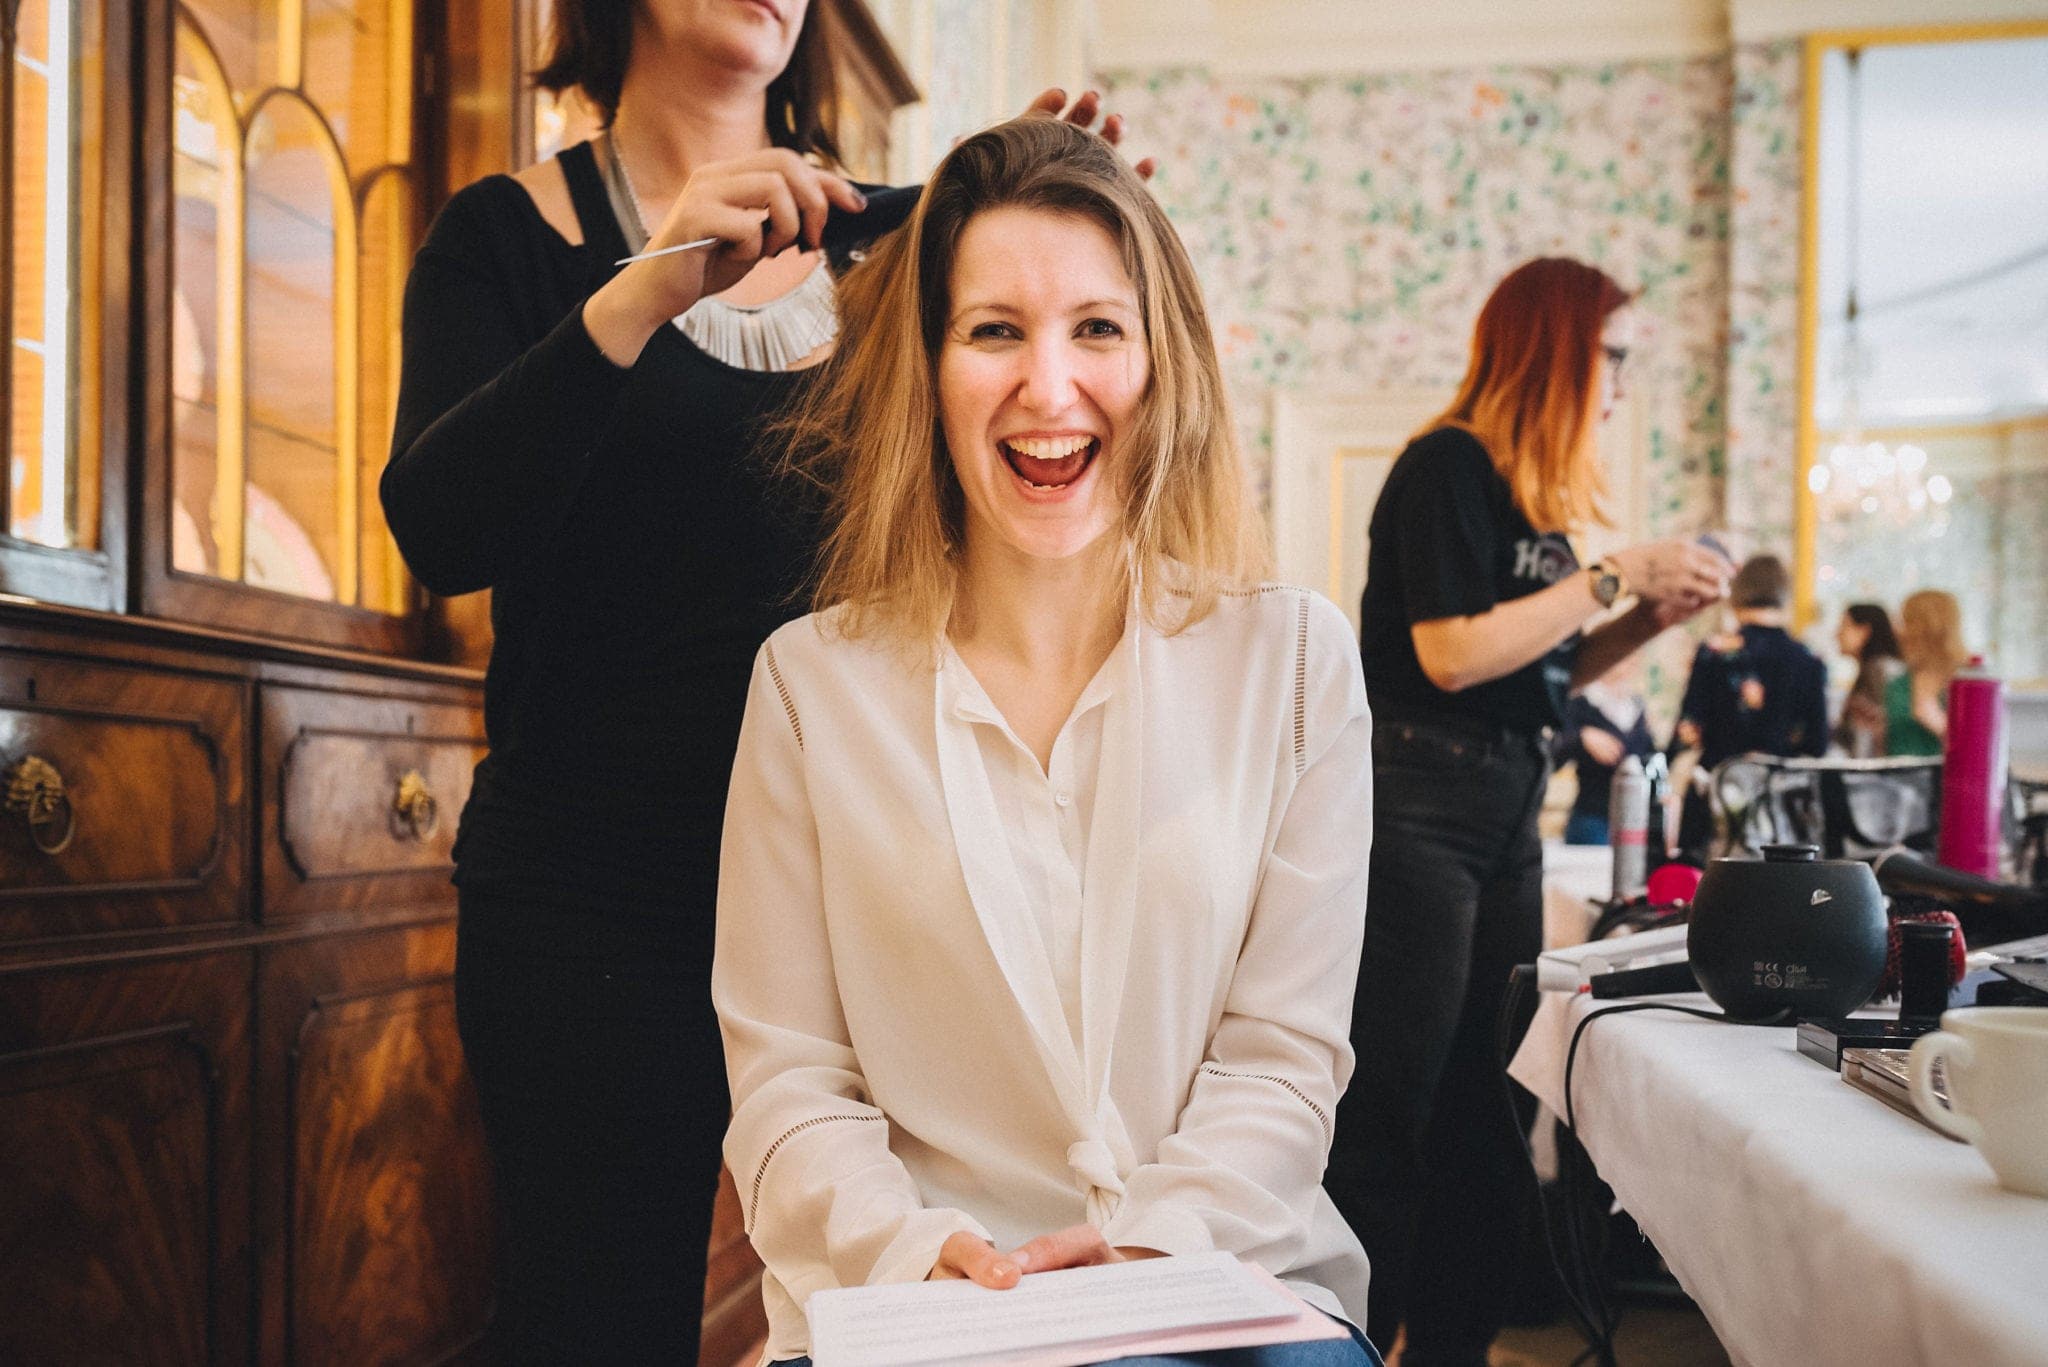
(1448,541)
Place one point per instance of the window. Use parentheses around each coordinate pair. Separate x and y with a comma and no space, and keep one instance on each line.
(295,213)
(52,258)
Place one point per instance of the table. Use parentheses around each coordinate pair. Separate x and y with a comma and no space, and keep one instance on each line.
(1575,878)
(1812,1223)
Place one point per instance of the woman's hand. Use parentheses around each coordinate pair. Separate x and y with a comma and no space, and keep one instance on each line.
(1684,574)
(967,1257)
(1053,102)
(1929,712)
(729,200)
(1075,1246)
(1604,748)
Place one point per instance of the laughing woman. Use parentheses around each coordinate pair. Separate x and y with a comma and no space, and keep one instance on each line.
(1042,885)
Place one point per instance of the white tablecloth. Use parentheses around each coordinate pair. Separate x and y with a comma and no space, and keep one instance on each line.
(1574,878)
(1813,1224)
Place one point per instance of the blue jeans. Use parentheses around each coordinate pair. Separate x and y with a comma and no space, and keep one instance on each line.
(1354,1352)
(1584,828)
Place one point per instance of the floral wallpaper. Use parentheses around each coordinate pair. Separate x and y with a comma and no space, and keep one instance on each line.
(1348,228)
(1763,291)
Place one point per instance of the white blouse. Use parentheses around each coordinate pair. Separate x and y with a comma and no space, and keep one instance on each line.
(895,924)
(1044,813)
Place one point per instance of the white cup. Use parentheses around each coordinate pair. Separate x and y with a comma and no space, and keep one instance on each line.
(1995,1063)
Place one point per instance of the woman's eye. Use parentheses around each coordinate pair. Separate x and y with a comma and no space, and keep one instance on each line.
(986,332)
(1100,328)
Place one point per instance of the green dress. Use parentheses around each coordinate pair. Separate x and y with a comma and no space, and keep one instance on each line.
(1903,733)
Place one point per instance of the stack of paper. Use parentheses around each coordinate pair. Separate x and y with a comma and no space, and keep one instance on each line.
(1058,1319)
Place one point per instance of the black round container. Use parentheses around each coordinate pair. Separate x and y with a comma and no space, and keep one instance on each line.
(1788,932)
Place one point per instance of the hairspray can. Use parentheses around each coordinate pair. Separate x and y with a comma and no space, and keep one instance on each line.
(1628,819)
(1973,772)
(1657,845)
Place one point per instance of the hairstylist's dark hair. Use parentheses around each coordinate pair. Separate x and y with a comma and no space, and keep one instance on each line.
(590,45)
(1883,642)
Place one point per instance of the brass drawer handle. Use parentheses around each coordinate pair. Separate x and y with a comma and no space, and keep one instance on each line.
(414,813)
(35,793)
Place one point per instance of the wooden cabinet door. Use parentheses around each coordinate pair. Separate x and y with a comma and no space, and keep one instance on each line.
(124,1162)
(374,1210)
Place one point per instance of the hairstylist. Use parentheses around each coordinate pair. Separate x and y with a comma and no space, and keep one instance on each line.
(564,443)
(1473,636)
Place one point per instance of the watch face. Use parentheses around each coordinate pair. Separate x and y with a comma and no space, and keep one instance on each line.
(1606,586)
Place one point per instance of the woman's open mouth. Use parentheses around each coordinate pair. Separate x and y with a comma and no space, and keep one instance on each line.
(1049,463)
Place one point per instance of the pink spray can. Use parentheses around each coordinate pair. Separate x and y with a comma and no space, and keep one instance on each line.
(1973,772)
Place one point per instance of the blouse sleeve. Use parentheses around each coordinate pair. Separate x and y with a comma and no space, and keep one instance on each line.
(826,1202)
(495,430)
(1243,1169)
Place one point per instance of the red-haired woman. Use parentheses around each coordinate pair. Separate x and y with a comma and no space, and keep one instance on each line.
(1475,631)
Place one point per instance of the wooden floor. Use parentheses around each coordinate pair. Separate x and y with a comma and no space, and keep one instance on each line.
(1649,1337)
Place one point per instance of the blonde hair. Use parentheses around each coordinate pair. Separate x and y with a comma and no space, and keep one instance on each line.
(1529,390)
(870,431)
(1931,633)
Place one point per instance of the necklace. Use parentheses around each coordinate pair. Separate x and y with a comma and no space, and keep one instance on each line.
(777,335)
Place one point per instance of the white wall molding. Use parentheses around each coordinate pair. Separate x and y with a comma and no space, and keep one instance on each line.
(1314,37)
(1756,20)
(1308,37)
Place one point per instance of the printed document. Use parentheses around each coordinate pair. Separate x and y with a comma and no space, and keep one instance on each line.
(1075,1315)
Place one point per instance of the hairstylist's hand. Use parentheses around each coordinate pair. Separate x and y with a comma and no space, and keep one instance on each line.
(730,200)
(1075,1246)
(1670,612)
(1082,112)
(968,1257)
(1675,570)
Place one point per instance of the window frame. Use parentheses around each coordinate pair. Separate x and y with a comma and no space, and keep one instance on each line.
(160,589)
(96,578)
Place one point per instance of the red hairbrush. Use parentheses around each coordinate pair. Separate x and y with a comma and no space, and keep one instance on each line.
(1957,952)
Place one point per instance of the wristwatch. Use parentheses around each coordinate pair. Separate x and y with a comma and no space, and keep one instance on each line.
(1608,585)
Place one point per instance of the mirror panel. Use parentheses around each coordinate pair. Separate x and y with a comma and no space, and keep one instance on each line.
(1929,418)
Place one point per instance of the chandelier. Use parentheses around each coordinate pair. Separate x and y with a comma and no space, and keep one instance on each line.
(1861,478)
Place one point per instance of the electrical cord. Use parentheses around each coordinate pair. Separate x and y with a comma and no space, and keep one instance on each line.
(1596,1319)
(1520,979)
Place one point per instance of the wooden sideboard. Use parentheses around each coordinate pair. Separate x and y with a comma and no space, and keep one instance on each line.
(234,1120)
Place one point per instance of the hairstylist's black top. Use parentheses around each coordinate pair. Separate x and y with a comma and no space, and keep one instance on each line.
(637,545)
(1448,541)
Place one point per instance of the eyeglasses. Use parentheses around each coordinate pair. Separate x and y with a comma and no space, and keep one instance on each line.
(1615,355)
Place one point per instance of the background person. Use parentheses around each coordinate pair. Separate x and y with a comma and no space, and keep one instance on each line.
(1754,690)
(1043,874)
(1865,635)
(1604,722)
(1916,700)
(1472,617)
